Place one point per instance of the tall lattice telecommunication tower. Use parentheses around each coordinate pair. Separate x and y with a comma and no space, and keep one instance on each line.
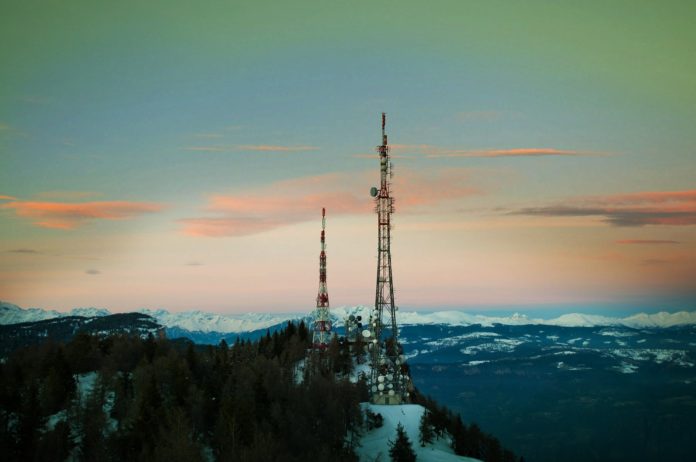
(389,384)
(322,323)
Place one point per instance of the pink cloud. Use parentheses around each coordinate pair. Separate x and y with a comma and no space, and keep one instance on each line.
(297,200)
(62,215)
(519,152)
(7,198)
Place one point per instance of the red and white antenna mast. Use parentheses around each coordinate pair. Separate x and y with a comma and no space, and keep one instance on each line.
(322,323)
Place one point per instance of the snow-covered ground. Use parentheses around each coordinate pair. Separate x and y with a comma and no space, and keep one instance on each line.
(374,445)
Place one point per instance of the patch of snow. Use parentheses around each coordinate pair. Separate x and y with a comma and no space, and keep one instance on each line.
(626,368)
(56,418)
(85,385)
(658,355)
(111,423)
(616,333)
(299,371)
(498,345)
(374,445)
(451,341)
(360,370)
(476,363)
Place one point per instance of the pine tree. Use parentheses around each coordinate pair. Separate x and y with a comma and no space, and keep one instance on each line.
(426,429)
(400,450)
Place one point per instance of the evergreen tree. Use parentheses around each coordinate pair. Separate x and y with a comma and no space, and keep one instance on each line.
(92,423)
(55,444)
(175,441)
(400,450)
(426,429)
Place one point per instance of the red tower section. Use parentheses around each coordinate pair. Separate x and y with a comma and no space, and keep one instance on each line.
(322,322)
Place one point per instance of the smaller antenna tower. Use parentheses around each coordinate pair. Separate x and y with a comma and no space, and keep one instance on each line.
(322,323)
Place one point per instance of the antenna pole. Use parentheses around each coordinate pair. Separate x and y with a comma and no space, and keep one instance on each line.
(389,382)
(322,323)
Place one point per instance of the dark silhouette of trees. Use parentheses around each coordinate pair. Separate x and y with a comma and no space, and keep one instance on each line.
(156,399)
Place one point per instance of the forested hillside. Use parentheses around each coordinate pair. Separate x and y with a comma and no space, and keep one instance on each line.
(130,398)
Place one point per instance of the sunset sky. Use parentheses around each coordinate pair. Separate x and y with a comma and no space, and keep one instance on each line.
(177,154)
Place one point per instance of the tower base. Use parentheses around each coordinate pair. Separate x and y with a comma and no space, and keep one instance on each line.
(376,398)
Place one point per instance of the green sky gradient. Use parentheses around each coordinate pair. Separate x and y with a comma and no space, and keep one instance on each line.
(113,100)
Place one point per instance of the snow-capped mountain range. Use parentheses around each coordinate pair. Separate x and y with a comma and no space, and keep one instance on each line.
(199,321)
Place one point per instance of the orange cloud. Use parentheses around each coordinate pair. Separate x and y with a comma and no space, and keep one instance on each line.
(7,198)
(61,215)
(674,208)
(297,200)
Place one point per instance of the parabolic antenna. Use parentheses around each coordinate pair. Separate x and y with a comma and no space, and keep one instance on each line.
(373,191)
(366,333)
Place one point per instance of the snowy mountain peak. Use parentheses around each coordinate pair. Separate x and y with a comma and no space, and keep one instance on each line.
(89,312)
(200,321)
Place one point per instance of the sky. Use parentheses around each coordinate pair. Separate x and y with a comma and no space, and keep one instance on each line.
(177,155)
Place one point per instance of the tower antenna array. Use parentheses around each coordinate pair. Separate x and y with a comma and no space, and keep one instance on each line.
(388,381)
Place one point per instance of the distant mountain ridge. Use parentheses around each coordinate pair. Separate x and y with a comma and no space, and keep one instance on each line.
(199,321)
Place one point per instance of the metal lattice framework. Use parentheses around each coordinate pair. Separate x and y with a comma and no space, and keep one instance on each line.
(388,382)
(322,323)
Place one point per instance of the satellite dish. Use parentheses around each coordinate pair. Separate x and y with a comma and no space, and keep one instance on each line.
(359,325)
(366,333)
(373,191)
(351,317)
(359,318)
(374,388)
(380,378)
(380,387)
(391,392)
